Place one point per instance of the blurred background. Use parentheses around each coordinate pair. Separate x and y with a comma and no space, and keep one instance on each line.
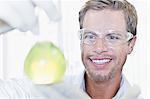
(14,46)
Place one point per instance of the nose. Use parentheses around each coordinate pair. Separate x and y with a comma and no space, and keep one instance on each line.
(100,46)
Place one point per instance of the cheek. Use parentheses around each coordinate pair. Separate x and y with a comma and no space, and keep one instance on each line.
(85,52)
(121,55)
(121,51)
(84,49)
(83,56)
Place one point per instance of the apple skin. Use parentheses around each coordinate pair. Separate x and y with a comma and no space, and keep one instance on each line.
(45,63)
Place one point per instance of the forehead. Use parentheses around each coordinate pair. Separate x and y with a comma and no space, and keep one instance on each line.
(107,19)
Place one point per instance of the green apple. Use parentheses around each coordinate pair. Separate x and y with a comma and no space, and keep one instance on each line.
(45,63)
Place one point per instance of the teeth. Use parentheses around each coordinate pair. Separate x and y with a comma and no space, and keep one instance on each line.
(100,62)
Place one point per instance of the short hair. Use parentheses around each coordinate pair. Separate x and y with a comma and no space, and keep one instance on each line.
(127,8)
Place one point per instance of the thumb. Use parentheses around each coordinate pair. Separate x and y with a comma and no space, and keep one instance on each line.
(4,27)
(131,93)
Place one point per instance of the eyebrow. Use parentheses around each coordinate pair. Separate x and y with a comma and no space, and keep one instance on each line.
(91,32)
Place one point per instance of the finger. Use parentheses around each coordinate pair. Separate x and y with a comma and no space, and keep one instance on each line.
(8,17)
(25,11)
(49,7)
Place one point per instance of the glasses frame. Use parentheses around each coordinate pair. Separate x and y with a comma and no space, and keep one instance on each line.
(129,36)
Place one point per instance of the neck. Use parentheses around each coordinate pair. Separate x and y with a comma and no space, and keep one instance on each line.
(104,89)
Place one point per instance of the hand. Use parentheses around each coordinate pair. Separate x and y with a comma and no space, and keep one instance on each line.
(21,14)
(131,93)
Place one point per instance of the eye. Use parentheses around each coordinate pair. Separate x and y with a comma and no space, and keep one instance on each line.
(89,36)
(113,37)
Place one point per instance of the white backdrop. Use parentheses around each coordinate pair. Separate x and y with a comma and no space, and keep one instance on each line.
(15,45)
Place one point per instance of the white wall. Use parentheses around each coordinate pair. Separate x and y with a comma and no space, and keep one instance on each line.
(14,46)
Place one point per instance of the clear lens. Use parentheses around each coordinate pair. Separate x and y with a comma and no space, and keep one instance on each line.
(111,38)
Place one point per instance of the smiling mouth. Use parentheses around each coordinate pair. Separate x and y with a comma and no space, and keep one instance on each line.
(101,62)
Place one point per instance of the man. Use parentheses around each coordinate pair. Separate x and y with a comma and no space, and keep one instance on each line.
(108,34)
(99,59)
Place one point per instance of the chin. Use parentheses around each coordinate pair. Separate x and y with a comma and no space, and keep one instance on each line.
(101,76)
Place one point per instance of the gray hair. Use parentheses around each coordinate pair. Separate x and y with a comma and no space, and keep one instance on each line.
(127,8)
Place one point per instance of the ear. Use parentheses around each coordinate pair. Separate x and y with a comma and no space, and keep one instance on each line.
(131,45)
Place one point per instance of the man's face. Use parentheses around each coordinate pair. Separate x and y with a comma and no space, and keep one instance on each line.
(103,61)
